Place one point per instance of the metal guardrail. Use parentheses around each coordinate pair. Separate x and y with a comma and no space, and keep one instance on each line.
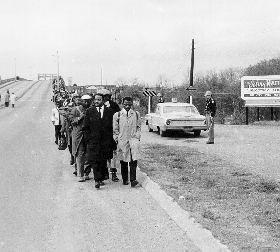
(6,84)
(6,80)
(9,82)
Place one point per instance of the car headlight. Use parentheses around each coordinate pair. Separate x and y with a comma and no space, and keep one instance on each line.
(168,122)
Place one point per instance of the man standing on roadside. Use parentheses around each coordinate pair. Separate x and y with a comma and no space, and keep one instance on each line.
(210,110)
(98,132)
(56,121)
(127,133)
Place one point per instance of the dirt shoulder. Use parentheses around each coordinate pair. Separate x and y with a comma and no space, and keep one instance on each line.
(230,187)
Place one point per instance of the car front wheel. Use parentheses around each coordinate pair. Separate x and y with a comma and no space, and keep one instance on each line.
(149,128)
(162,133)
(197,132)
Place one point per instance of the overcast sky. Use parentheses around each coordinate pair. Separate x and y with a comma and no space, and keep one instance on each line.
(134,38)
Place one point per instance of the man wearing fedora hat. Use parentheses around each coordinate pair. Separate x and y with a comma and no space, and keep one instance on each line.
(210,110)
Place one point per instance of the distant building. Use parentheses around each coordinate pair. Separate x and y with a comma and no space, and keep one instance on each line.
(90,89)
(111,88)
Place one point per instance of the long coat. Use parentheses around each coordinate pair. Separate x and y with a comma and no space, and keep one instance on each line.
(7,97)
(13,98)
(98,133)
(76,119)
(127,132)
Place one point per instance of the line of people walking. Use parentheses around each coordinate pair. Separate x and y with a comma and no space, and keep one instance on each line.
(98,134)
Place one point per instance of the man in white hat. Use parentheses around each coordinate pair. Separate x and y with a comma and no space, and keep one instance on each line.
(210,110)
(78,144)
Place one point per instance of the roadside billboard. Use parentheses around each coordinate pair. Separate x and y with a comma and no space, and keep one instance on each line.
(261,91)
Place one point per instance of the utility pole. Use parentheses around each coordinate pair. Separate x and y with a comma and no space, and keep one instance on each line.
(191,71)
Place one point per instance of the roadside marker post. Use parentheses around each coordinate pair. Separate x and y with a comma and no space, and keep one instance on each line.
(191,89)
(150,94)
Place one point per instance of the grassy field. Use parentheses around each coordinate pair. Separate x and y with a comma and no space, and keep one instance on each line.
(241,209)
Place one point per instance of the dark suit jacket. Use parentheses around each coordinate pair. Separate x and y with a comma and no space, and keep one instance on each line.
(98,133)
(114,106)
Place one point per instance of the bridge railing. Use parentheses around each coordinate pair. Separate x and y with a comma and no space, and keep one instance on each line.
(45,76)
(6,80)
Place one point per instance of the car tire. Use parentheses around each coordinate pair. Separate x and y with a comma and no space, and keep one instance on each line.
(149,128)
(197,132)
(162,133)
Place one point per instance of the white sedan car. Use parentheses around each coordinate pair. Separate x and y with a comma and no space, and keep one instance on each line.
(170,117)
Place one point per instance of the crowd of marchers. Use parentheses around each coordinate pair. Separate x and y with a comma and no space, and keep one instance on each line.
(99,135)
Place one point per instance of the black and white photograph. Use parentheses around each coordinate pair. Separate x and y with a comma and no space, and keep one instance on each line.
(140,125)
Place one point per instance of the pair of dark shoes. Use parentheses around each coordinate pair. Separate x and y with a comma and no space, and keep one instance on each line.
(113,171)
(133,183)
(98,184)
(114,177)
(208,142)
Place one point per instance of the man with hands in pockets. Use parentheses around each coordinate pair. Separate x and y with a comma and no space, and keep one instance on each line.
(127,133)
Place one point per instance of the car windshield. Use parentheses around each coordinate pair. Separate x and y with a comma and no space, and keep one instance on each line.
(179,109)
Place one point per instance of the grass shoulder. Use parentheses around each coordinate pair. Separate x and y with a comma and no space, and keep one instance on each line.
(241,209)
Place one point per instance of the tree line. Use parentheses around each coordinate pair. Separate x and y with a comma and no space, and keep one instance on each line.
(225,85)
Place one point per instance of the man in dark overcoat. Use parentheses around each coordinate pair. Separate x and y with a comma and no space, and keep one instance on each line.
(98,134)
(111,163)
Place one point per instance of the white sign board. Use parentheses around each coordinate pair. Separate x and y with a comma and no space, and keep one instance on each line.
(261,91)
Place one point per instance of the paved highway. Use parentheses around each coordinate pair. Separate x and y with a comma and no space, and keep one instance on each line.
(44,208)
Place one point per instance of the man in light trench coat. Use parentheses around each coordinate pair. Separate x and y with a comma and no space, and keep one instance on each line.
(127,133)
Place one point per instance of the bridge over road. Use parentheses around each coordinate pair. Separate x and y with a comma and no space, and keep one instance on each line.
(47,76)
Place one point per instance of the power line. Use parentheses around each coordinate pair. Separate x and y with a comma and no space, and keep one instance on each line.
(182,63)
